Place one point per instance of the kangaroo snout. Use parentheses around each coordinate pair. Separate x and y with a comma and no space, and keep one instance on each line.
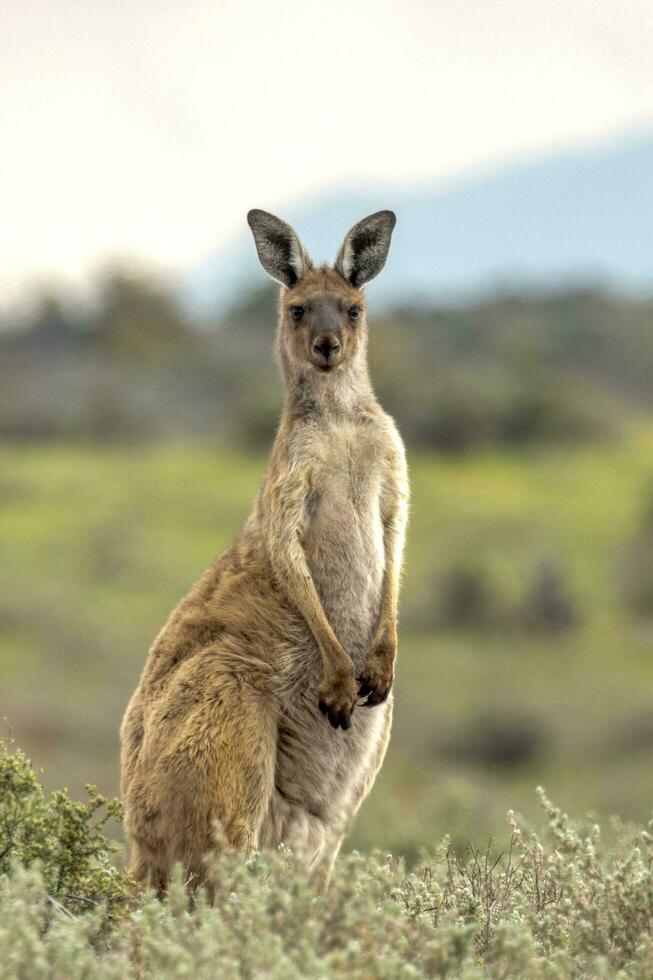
(325,351)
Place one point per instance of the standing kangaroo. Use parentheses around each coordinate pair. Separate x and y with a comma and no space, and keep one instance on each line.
(245,709)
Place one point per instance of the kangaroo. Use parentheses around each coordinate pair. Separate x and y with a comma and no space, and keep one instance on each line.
(245,711)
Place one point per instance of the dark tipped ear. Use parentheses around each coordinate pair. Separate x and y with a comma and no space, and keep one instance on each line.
(279,249)
(365,248)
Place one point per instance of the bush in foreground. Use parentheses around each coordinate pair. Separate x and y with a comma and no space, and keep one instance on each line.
(565,904)
(64,838)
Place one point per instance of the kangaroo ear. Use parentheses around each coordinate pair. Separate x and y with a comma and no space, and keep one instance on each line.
(279,249)
(365,248)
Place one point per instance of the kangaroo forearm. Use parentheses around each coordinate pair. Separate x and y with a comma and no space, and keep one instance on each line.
(296,580)
(393,541)
(308,602)
(389,603)
(377,675)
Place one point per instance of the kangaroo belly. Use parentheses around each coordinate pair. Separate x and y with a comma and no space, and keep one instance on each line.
(344,550)
(320,777)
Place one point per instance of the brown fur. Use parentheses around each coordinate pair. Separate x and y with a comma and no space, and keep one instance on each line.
(297,620)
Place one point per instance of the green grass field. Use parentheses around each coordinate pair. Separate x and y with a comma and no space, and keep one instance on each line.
(97,545)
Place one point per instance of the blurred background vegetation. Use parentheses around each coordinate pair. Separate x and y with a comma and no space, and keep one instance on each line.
(132,440)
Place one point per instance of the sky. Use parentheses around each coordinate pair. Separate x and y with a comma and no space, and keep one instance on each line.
(148,128)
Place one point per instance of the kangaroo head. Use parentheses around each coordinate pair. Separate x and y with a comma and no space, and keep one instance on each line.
(322,323)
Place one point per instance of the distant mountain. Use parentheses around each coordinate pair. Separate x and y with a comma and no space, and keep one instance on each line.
(576,216)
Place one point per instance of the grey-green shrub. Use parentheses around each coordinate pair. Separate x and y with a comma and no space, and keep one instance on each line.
(561,904)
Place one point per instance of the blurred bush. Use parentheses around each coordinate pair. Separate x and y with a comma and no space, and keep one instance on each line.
(511,370)
(548,604)
(637,562)
(467,597)
(504,737)
(466,594)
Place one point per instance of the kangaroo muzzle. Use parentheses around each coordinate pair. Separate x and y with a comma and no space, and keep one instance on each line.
(326,351)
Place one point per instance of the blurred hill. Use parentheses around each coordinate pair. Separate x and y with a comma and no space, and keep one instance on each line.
(585,215)
(511,369)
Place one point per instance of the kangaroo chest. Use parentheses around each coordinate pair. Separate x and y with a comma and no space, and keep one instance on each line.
(343,539)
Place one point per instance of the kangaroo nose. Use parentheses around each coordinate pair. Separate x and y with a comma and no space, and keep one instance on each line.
(327,345)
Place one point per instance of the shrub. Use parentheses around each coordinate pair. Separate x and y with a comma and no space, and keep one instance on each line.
(563,904)
(64,838)
(548,605)
(468,597)
(501,738)
(637,563)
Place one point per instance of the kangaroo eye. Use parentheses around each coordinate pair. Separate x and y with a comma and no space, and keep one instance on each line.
(297,312)
(354,312)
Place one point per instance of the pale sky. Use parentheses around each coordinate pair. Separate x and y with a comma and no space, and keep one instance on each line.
(149,127)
